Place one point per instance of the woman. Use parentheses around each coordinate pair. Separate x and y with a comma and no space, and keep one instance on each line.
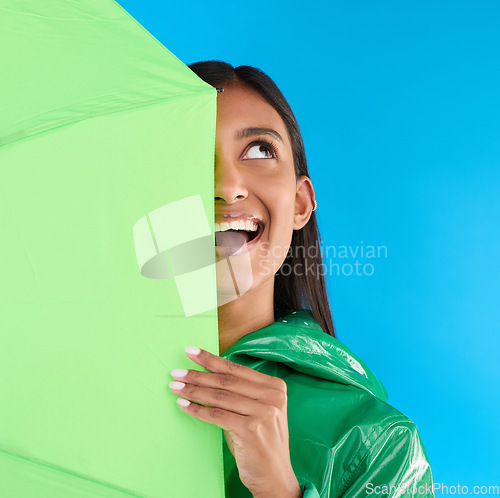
(302,416)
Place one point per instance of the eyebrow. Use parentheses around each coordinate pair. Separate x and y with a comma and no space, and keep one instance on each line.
(250,132)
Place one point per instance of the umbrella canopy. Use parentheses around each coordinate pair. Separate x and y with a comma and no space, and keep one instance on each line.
(106,174)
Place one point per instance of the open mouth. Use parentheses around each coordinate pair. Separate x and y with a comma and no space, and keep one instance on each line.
(233,235)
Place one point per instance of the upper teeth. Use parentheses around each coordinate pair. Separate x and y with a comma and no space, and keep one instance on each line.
(248,225)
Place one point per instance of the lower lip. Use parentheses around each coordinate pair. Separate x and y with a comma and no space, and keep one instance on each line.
(232,251)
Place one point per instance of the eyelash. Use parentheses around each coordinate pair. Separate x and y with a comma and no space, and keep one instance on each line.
(270,144)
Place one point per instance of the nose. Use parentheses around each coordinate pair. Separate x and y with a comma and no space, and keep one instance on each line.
(229,183)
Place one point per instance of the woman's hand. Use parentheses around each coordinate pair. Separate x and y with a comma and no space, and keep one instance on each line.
(251,408)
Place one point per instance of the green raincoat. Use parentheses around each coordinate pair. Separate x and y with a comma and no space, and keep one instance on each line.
(345,439)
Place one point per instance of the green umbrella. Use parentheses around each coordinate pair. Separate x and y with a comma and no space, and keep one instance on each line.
(106,222)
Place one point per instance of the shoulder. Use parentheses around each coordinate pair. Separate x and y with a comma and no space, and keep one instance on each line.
(392,455)
(339,407)
(353,440)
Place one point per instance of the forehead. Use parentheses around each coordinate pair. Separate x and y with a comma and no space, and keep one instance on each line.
(240,107)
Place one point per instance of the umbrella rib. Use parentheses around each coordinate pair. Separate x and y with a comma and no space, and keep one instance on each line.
(14,138)
(70,472)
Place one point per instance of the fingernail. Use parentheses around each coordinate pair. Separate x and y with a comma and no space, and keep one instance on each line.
(183,402)
(192,350)
(176,385)
(178,372)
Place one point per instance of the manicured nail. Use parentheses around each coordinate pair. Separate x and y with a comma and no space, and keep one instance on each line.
(178,372)
(192,350)
(183,402)
(176,385)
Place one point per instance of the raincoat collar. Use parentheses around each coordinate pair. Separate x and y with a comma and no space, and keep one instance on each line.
(297,340)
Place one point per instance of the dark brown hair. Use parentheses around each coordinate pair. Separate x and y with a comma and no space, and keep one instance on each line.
(291,291)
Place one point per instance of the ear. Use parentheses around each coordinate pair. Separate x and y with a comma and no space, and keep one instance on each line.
(304,202)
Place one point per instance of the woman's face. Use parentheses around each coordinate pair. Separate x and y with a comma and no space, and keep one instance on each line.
(258,200)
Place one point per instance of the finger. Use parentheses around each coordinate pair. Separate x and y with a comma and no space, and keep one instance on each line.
(220,365)
(225,419)
(224,399)
(230,383)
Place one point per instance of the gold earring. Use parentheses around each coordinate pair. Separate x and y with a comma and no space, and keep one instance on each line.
(315,205)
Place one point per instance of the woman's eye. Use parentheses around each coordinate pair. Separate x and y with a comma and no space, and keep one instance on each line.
(260,151)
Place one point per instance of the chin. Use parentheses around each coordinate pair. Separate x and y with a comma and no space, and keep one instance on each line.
(234,278)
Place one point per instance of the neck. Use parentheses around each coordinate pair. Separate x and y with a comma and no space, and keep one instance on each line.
(247,313)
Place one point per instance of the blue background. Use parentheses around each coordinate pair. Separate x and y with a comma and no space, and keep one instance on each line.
(399,106)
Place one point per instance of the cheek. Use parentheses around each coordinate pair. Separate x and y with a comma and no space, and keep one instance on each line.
(277,193)
(281,209)
(276,243)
